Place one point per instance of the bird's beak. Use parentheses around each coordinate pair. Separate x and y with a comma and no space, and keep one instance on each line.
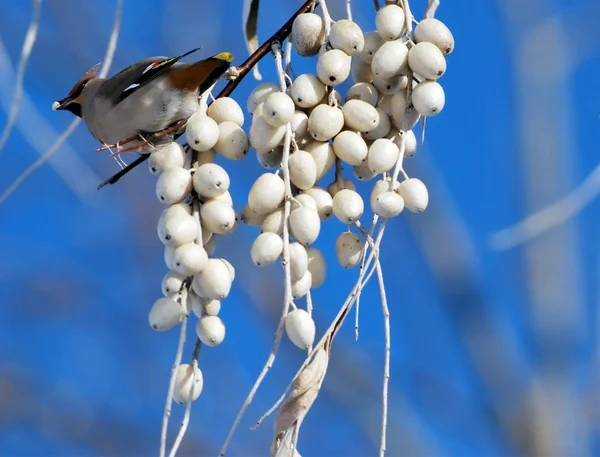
(62,104)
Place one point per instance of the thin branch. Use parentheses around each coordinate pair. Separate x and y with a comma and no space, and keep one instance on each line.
(169,402)
(349,9)
(432,6)
(326,17)
(28,44)
(288,299)
(551,216)
(110,50)
(386,366)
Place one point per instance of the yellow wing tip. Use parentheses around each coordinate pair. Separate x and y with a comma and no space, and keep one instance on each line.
(226,56)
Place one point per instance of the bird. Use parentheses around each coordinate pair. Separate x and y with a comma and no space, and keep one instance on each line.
(145,98)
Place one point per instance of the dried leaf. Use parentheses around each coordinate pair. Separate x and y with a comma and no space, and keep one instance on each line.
(251,29)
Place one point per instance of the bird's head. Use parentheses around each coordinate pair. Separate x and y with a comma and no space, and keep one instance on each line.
(72,102)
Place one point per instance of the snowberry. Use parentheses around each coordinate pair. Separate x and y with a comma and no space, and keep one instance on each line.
(410,144)
(173,185)
(404,115)
(363,91)
(210,330)
(388,204)
(298,261)
(263,136)
(260,94)
(210,180)
(188,383)
(323,201)
(210,307)
(436,32)
(348,249)
(218,217)
(165,314)
(299,124)
(300,328)
(390,59)
(347,36)
(325,122)
(273,222)
(189,259)
(383,185)
(305,225)
(307,90)
(361,71)
(428,98)
(304,200)
(214,281)
(390,22)
(308,33)
(278,109)
(348,206)
(168,256)
(202,132)
(266,249)
(391,85)
(301,287)
(226,109)
(382,129)
(322,153)
(415,195)
(170,155)
(233,141)
(333,67)
(303,169)
(383,155)
(350,147)
(427,60)
(372,43)
(363,172)
(360,116)
(177,228)
(338,185)
(249,217)
(266,193)
(171,283)
(317,266)
(271,158)
(206,156)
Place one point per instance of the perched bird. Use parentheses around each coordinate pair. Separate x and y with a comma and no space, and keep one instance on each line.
(144,98)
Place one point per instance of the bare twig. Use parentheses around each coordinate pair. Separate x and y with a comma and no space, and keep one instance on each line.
(409,18)
(110,50)
(28,44)
(349,9)
(432,6)
(326,17)
(551,216)
(288,299)
(386,366)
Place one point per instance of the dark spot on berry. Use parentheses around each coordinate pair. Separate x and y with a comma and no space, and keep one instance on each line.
(167,237)
(196,141)
(299,100)
(332,78)
(162,197)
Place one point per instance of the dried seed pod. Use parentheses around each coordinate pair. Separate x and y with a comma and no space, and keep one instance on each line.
(388,204)
(202,132)
(171,283)
(307,90)
(266,249)
(363,91)
(305,225)
(428,98)
(263,136)
(226,109)
(350,147)
(278,109)
(322,153)
(214,281)
(273,222)
(325,122)
(165,314)
(210,330)
(176,229)
(218,217)
(360,116)
(436,32)
(189,259)
(162,158)
(348,206)
(390,22)
(372,43)
(415,195)
(173,185)
(347,36)
(382,129)
(333,67)
(390,60)
(317,266)
(427,60)
(210,180)
(308,33)
(298,261)
(383,155)
(270,159)
(188,383)
(323,201)
(300,328)
(260,94)
(338,185)
(301,287)
(266,194)
(349,249)
(233,142)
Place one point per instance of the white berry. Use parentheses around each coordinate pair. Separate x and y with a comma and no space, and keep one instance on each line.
(347,36)
(307,90)
(415,195)
(202,132)
(266,249)
(303,169)
(188,383)
(333,67)
(164,157)
(350,147)
(348,206)
(300,328)
(165,314)
(189,259)
(226,109)
(173,185)
(210,330)
(348,249)
(210,180)
(428,98)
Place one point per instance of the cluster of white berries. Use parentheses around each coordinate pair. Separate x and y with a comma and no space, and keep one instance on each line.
(395,75)
(199,208)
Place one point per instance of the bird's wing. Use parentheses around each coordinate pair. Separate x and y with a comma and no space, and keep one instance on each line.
(141,73)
